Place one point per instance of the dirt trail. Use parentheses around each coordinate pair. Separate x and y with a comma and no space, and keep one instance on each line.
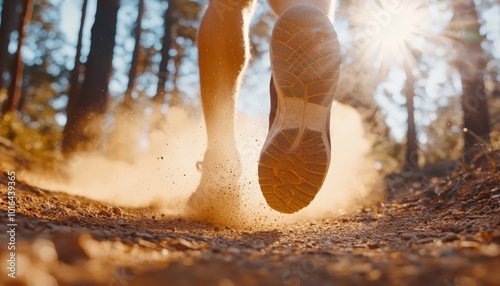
(430,231)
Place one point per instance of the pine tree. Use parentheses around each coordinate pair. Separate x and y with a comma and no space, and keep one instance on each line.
(83,129)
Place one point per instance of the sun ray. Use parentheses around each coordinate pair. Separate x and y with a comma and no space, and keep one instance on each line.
(387,36)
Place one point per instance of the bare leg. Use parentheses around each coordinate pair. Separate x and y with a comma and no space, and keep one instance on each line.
(223,53)
(223,56)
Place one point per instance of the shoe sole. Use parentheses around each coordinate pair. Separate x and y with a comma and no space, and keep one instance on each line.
(305,63)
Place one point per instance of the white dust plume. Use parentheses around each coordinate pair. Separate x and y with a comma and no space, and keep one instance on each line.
(164,172)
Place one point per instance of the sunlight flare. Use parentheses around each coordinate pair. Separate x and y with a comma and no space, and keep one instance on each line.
(391,36)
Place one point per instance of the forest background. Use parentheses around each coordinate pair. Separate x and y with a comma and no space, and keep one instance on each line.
(424,75)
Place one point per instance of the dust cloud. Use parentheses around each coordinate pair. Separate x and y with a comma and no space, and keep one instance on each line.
(164,170)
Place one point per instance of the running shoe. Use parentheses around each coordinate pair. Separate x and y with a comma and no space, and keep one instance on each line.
(305,65)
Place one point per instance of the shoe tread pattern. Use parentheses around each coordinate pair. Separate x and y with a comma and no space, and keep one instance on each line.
(305,55)
(291,178)
(305,64)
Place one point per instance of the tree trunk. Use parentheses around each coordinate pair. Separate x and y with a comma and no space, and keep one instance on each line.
(132,74)
(124,136)
(165,56)
(411,155)
(83,129)
(471,62)
(12,103)
(75,82)
(176,97)
(10,18)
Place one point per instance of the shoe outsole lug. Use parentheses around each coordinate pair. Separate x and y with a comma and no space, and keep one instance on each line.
(305,63)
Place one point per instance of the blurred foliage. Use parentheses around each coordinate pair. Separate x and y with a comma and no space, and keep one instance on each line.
(34,127)
(184,32)
(35,138)
(444,133)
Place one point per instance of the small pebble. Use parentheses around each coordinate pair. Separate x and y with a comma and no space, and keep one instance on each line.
(424,240)
(449,237)
(72,218)
(104,213)
(407,236)
(258,244)
(233,250)
(121,222)
(451,227)
(71,206)
(47,212)
(143,235)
